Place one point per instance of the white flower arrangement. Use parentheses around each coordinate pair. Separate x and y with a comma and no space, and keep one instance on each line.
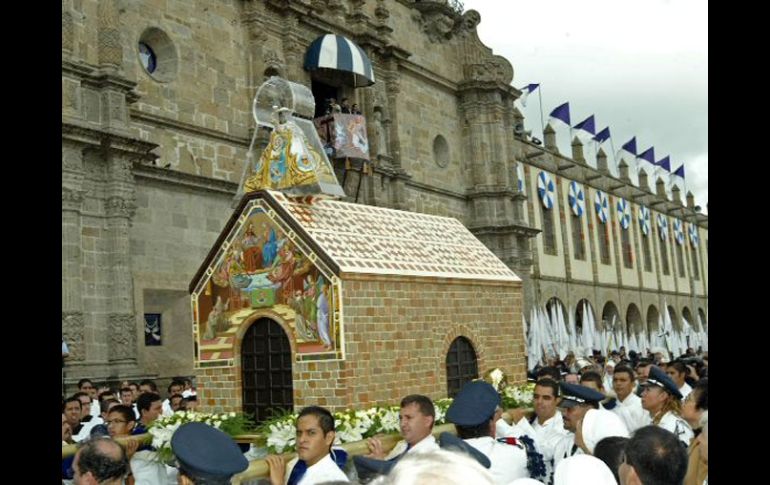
(350,425)
(163,428)
(518,396)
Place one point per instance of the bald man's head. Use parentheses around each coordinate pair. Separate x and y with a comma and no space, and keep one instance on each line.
(100,461)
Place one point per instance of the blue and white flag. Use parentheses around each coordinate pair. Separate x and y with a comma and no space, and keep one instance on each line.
(678,176)
(602,136)
(526,91)
(646,161)
(561,113)
(662,166)
(586,126)
(628,148)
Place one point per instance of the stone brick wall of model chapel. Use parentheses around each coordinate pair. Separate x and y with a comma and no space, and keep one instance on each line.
(413,329)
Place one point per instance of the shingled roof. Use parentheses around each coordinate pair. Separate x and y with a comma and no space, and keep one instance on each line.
(356,238)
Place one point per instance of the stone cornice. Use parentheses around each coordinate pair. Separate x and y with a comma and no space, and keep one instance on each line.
(157,120)
(476,85)
(433,78)
(183,179)
(437,190)
(108,139)
(618,287)
(519,229)
(100,79)
(476,192)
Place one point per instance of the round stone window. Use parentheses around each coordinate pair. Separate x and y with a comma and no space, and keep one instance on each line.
(440,151)
(157,55)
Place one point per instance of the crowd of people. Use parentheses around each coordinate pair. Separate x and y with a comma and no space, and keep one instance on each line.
(623,419)
(121,412)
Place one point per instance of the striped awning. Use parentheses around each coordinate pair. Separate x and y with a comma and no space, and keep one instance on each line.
(339,53)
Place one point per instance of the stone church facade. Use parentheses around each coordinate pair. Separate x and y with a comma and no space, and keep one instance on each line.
(156,126)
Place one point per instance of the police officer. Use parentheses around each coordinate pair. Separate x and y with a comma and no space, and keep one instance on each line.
(205,453)
(575,402)
(474,412)
(662,399)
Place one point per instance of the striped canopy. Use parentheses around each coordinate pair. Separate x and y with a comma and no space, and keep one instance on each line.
(339,53)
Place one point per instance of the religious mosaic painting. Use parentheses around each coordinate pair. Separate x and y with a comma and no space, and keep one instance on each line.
(264,265)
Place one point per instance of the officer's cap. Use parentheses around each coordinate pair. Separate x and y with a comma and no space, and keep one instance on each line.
(474,404)
(206,452)
(574,394)
(659,378)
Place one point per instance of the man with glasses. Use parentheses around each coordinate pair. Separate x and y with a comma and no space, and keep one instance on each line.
(653,455)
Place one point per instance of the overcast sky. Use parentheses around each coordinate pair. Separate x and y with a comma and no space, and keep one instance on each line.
(639,66)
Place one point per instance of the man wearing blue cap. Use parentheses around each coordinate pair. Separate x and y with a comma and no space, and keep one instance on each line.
(575,402)
(206,455)
(474,412)
(662,399)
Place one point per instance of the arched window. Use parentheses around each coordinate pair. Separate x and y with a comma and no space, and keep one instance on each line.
(695,267)
(664,254)
(625,246)
(604,243)
(549,234)
(461,365)
(646,250)
(578,239)
(680,260)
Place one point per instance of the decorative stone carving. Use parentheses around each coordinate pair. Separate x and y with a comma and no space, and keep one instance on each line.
(110,49)
(71,200)
(381,11)
(120,207)
(470,20)
(122,335)
(67,29)
(494,68)
(120,168)
(72,333)
(273,62)
(437,19)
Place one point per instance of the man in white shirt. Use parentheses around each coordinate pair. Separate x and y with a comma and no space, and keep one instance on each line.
(677,371)
(176,387)
(547,429)
(630,405)
(416,418)
(314,463)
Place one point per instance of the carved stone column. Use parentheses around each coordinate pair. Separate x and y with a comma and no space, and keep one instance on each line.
(67,29)
(110,49)
(393,88)
(120,207)
(72,206)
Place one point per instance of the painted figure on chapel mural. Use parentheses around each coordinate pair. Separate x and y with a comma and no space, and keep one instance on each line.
(261,269)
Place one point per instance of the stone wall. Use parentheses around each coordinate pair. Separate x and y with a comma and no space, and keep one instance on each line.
(175,226)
